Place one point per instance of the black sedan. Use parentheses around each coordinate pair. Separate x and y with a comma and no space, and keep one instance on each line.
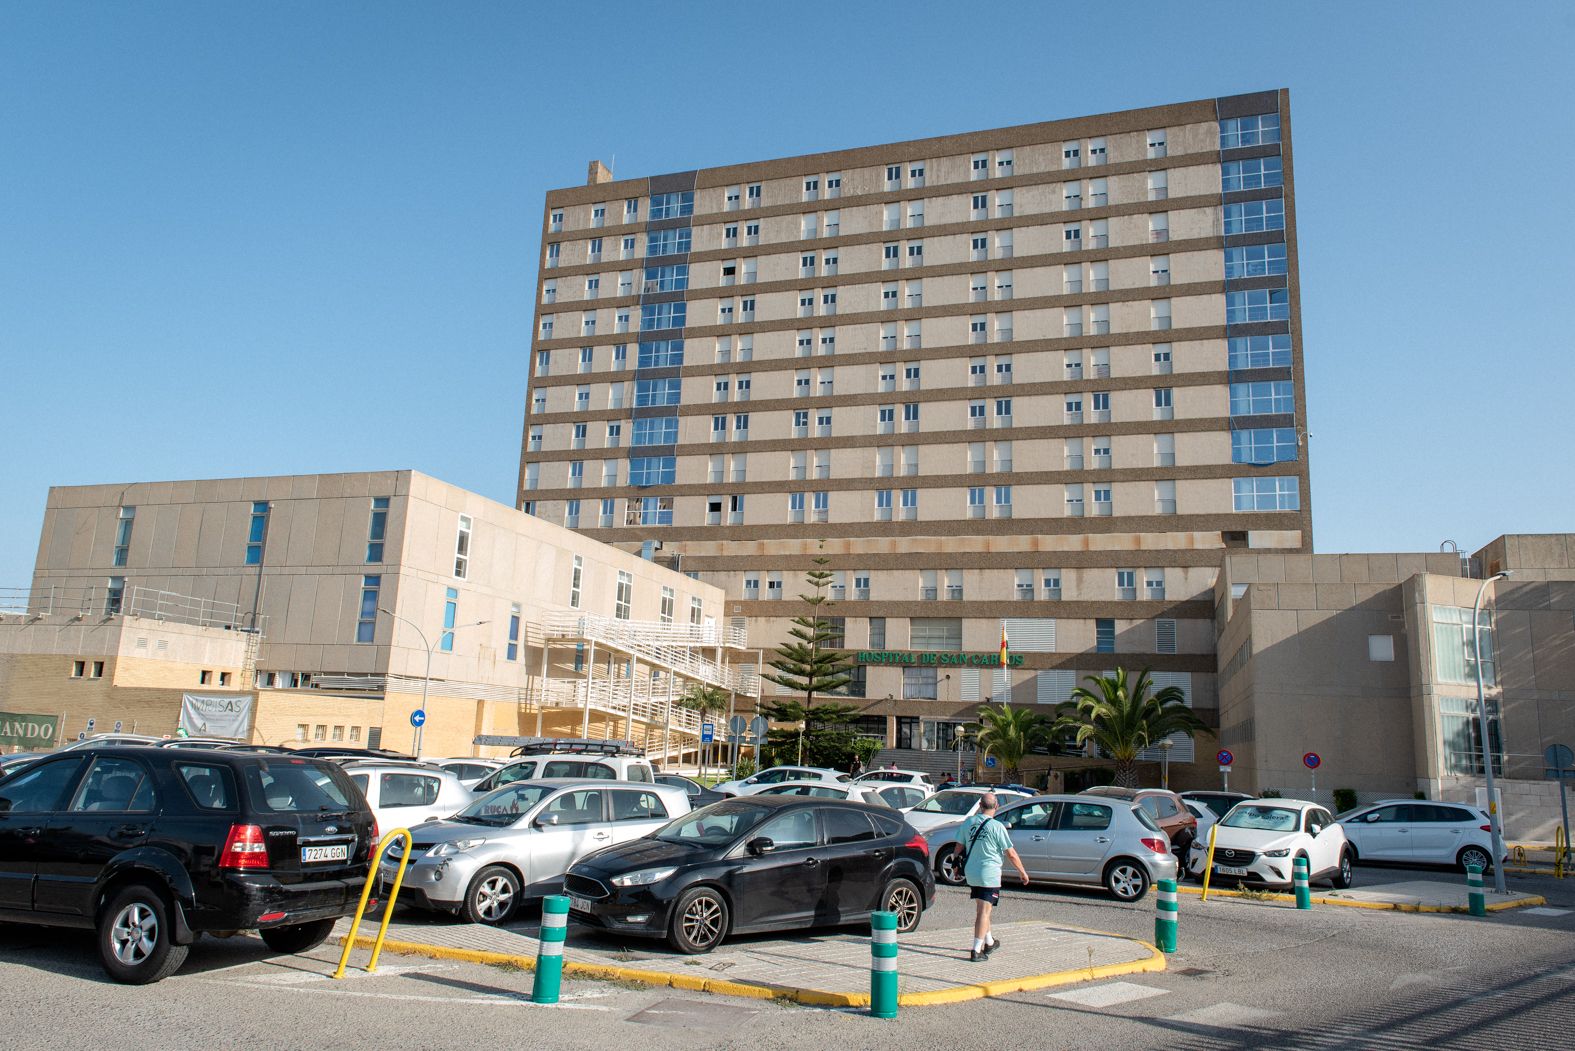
(699,795)
(756,863)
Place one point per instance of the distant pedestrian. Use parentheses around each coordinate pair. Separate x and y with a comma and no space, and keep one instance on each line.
(857,768)
(985,844)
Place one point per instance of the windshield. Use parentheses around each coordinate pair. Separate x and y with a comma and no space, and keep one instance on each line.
(295,785)
(959,803)
(1266,818)
(714,826)
(504,806)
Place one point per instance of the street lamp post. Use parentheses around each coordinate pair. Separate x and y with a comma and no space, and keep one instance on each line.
(426,680)
(1164,750)
(1495,820)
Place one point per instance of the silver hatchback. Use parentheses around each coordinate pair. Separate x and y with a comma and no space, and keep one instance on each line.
(518,842)
(1108,843)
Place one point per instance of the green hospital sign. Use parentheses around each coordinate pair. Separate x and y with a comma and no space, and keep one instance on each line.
(34,731)
(983,660)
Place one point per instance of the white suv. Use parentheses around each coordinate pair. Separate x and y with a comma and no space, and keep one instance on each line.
(1420,832)
(777,775)
(405,794)
(1260,840)
(579,766)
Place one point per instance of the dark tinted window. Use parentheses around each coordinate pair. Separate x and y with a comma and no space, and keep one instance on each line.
(847,826)
(888,825)
(1453,815)
(210,787)
(1085,817)
(289,786)
(115,786)
(1167,806)
(467,771)
(1387,815)
(792,830)
(510,774)
(579,769)
(637,806)
(679,782)
(39,789)
(407,790)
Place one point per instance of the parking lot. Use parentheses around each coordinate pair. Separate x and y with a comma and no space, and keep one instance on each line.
(1248,972)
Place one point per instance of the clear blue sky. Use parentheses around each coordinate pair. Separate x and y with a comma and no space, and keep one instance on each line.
(286,238)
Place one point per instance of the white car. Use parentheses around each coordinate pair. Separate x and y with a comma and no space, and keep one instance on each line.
(776,775)
(1259,841)
(826,790)
(403,795)
(952,805)
(1420,832)
(469,770)
(1205,816)
(892,776)
(576,766)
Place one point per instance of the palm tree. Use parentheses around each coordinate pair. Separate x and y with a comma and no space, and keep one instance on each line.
(1124,718)
(1009,734)
(708,701)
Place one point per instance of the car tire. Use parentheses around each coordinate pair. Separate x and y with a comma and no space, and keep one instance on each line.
(492,896)
(949,867)
(297,937)
(1126,880)
(904,897)
(1474,855)
(699,921)
(1341,880)
(136,938)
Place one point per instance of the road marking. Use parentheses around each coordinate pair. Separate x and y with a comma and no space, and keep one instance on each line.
(301,977)
(1109,994)
(498,1000)
(1542,911)
(1223,1014)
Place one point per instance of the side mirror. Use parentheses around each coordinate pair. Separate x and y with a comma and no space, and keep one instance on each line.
(546,820)
(760,845)
(1370,818)
(1315,829)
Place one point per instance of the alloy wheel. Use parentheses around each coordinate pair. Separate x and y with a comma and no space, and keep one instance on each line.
(134,933)
(1474,857)
(702,921)
(494,898)
(1126,882)
(903,899)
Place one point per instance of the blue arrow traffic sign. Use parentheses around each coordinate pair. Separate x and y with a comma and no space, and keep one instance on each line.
(418,717)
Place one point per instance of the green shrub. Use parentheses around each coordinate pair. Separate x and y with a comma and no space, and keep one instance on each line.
(745,767)
(1269,793)
(1344,799)
(1419,795)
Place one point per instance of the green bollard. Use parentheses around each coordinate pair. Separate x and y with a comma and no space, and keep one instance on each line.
(1474,892)
(1303,890)
(883,964)
(549,955)
(1166,911)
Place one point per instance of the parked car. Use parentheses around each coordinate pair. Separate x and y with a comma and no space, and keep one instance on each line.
(952,805)
(1164,806)
(1087,840)
(150,846)
(902,797)
(1259,841)
(757,863)
(894,776)
(1420,833)
(571,765)
(403,795)
(517,842)
(1218,802)
(853,793)
(17,760)
(106,740)
(469,770)
(1207,819)
(776,775)
(699,795)
(339,753)
(198,742)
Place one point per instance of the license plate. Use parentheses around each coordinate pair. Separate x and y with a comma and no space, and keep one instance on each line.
(337,852)
(580,904)
(1230,870)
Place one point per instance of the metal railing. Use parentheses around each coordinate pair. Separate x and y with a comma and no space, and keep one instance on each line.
(671,646)
(136,601)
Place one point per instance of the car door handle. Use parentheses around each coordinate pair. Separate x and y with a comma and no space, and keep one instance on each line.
(1101,839)
(129,831)
(1402,831)
(811,862)
(29,833)
(601,835)
(1038,839)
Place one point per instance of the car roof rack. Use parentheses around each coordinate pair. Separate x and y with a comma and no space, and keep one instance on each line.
(523,746)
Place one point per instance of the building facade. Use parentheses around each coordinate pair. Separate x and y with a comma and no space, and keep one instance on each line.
(1041,378)
(1370,661)
(329,605)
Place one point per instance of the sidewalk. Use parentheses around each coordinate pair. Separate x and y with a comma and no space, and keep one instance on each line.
(1410,896)
(823,968)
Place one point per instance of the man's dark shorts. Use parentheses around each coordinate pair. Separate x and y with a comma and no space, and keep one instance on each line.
(989,894)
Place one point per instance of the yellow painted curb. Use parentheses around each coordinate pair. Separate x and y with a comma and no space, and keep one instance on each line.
(765,991)
(1382,906)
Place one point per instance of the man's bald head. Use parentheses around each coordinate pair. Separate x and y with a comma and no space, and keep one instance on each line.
(988,803)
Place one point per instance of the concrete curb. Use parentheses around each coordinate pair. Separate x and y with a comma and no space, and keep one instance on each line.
(1382,906)
(763,991)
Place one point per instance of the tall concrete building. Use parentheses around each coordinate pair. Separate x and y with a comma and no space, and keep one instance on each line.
(1041,378)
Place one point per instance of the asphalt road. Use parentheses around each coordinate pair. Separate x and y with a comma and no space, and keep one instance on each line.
(1248,974)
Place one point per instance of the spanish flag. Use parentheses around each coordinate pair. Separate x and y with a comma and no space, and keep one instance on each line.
(1005,654)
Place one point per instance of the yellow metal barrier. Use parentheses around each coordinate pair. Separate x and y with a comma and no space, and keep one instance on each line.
(1561,850)
(388,906)
(1518,855)
(1208,861)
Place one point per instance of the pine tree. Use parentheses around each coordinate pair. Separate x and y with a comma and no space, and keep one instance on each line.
(809,664)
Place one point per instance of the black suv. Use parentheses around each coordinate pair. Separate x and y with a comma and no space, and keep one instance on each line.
(151,846)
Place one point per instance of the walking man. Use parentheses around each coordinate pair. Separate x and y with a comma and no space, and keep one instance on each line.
(985,843)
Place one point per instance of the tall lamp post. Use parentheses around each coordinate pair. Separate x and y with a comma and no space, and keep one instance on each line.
(426,680)
(1495,819)
(1164,750)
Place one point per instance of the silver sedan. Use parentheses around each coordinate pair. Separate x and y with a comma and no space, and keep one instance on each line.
(1073,839)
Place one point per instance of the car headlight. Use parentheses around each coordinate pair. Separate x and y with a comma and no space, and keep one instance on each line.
(643,878)
(1285,852)
(455,846)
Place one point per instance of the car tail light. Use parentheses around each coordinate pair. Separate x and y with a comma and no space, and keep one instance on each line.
(919,843)
(244,848)
(270,917)
(371,849)
(1156,845)
(1487,828)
